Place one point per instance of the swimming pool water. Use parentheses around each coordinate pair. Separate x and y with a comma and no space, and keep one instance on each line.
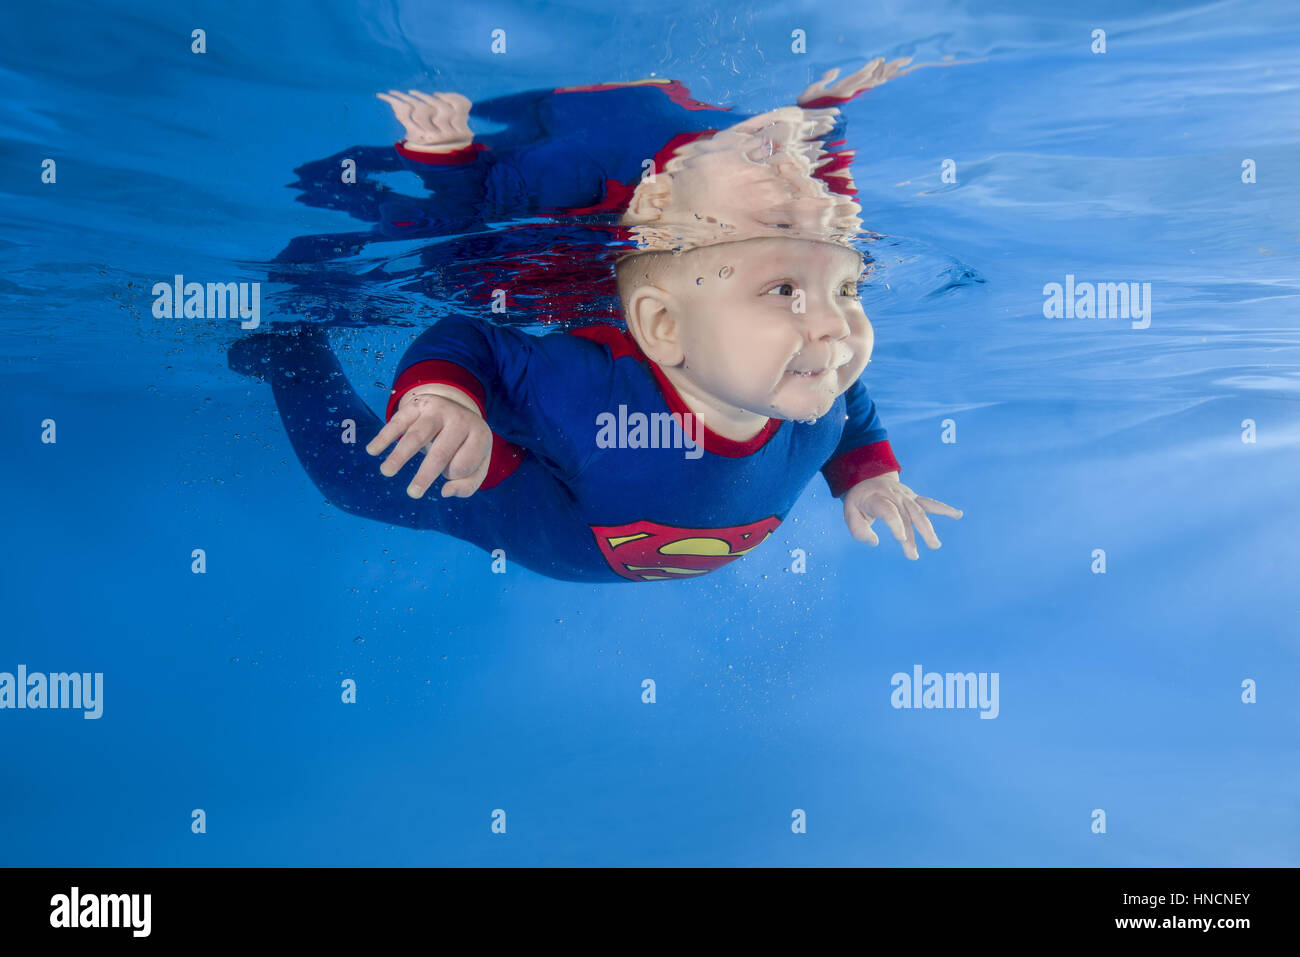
(1119,691)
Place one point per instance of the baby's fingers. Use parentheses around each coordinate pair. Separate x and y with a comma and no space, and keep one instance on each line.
(436,456)
(938,508)
(459,102)
(398,100)
(401,108)
(860,525)
(391,432)
(425,98)
(417,437)
(864,75)
(420,424)
(431,110)
(411,113)
(894,67)
(887,511)
(468,467)
(916,514)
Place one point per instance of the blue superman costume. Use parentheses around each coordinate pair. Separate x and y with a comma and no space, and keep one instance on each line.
(553,500)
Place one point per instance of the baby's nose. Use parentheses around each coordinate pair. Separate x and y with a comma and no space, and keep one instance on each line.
(825,323)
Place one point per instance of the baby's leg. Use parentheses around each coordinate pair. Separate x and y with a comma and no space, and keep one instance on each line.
(320,409)
(531,515)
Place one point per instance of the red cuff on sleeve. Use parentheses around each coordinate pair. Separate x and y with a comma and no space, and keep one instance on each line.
(440,371)
(453,158)
(864,462)
(823,101)
(506,457)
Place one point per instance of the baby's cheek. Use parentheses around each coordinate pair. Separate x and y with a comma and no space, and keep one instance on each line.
(866,339)
(850,373)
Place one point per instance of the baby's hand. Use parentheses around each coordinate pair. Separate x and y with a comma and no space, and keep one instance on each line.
(887,499)
(873,74)
(448,426)
(433,124)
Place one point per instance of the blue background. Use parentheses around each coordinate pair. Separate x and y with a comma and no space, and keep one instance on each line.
(476,691)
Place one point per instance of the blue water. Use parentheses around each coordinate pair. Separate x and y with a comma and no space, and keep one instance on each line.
(1119,691)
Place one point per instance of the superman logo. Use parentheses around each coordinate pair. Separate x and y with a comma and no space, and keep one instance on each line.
(646,551)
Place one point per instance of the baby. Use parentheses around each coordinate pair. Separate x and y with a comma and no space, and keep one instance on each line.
(744,344)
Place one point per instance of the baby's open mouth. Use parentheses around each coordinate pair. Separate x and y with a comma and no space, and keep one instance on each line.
(809,374)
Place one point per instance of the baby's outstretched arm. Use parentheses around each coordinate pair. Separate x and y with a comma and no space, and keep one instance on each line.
(887,499)
(445,421)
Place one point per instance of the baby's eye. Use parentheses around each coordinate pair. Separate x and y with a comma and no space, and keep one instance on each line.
(785,289)
(850,289)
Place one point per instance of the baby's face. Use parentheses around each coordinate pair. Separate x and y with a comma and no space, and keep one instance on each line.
(774,326)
